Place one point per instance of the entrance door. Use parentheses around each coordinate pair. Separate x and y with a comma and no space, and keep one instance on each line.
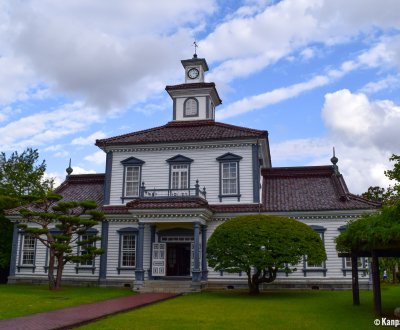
(178,259)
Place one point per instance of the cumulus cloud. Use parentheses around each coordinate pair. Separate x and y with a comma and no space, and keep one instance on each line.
(102,53)
(366,133)
(357,120)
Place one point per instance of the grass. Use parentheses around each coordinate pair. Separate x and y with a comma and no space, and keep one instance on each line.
(274,310)
(18,300)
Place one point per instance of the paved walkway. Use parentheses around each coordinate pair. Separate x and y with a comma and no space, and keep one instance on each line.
(73,316)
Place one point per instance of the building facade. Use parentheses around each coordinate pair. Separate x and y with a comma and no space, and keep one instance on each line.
(166,189)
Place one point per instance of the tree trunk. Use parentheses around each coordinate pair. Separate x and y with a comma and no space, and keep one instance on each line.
(60,268)
(254,288)
(50,271)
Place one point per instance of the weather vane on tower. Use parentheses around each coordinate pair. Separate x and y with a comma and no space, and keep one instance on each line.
(195,45)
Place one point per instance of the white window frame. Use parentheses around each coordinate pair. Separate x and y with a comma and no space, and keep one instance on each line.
(226,182)
(193,111)
(83,250)
(135,193)
(128,250)
(28,250)
(179,169)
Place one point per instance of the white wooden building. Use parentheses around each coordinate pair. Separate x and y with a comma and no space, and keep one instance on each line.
(167,188)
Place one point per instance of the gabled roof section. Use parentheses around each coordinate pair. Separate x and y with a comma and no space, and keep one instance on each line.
(183,131)
(179,159)
(132,161)
(309,188)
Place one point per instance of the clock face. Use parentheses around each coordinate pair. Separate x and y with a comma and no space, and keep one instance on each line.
(193,73)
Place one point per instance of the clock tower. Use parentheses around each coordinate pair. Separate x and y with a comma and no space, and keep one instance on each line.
(195,99)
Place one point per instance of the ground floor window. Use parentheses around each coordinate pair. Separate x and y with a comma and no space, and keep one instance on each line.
(128,250)
(28,250)
(85,250)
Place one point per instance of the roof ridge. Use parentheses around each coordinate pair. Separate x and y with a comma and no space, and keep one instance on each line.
(363,199)
(101,141)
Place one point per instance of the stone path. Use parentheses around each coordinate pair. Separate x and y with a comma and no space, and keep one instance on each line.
(73,316)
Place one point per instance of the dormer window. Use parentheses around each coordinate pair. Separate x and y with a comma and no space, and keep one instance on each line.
(191,107)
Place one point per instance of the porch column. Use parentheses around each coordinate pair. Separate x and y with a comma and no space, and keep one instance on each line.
(14,248)
(152,240)
(103,257)
(204,254)
(196,273)
(139,272)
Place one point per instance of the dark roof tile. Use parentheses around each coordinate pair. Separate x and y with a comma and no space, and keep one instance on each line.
(309,188)
(183,131)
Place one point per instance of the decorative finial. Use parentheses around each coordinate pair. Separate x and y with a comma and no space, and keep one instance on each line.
(334,161)
(69,169)
(195,49)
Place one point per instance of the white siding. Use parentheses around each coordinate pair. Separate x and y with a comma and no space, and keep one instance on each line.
(205,168)
(41,262)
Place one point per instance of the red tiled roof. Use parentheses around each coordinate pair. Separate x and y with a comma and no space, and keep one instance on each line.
(309,188)
(183,131)
(115,209)
(228,208)
(167,203)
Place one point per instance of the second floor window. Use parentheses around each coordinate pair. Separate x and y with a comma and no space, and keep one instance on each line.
(132,177)
(229,183)
(132,181)
(179,176)
(229,178)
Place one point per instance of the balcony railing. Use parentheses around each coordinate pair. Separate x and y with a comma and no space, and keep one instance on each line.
(173,193)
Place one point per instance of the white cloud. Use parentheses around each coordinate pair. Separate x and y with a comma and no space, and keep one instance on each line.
(251,43)
(55,147)
(388,83)
(364,132)
(89,140)
(45,127)
(107,54)
(98,158)
(80,170)
(356,120)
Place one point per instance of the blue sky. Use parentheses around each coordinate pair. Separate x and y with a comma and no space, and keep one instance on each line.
(314,73)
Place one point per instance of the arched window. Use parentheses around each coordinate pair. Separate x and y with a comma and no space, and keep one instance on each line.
(191,107)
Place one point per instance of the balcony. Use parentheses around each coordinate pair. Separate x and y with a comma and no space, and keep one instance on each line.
(144,192)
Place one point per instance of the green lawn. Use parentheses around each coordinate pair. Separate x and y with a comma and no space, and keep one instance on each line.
(18,300)
(273,310)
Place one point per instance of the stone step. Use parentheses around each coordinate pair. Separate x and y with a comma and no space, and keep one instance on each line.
(170,286)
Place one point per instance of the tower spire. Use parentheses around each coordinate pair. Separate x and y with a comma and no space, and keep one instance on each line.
(195,45)
(69,169)
(334,161)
